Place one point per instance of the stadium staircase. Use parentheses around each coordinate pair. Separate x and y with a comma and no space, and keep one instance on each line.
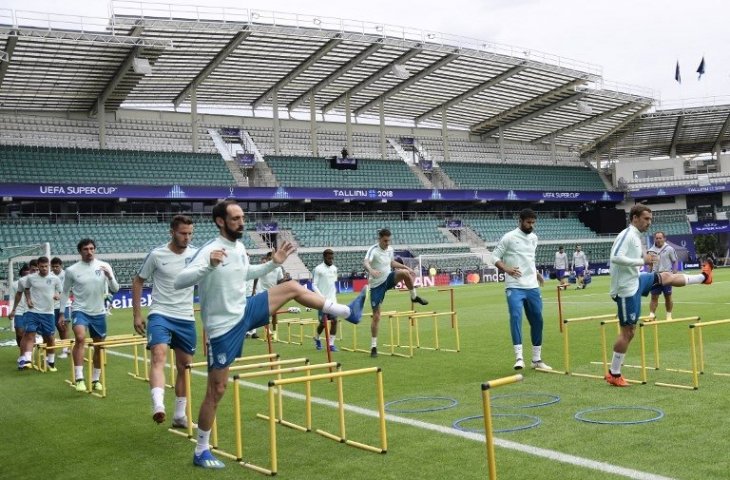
(421,176)
(257,240)
(296,268)
(408,159)
(227,151)
(441,180)
(294,265)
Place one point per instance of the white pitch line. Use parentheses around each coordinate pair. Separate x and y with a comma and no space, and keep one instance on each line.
(478,437)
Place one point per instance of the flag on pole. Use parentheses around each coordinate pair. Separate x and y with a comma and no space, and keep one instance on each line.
(677,75)
(701,68)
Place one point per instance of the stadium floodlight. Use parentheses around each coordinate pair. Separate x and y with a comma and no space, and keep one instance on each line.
(141,65)
(400,71)
(584,107)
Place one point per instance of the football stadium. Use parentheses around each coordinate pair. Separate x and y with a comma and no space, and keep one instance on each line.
(400,209)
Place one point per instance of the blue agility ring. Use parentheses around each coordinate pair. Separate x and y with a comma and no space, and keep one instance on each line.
(450,403)
(552,399)
(581,415)
(535,421)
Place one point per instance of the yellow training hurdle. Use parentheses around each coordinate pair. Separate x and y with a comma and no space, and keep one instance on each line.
(294,338)
(276,367)
(487,411)
(414,321)
(132,339)
(397,337)
(271,357)
(697,355)
(355,347)
(103,346)
(603,321)
(342,437)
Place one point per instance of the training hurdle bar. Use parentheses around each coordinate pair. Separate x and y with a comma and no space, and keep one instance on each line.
(237,423)
(354,331)
(125,338)
(603,321)
(700,369)
(272,359)
(697,355)
(342,437)
(655,325)
(642,341)
(566,344)
(103,345)
(487,411)
(275,413)
(301,322)
(413,321)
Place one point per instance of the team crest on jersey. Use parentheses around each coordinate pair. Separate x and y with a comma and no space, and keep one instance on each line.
(97,272)
(221,358)
(48,281)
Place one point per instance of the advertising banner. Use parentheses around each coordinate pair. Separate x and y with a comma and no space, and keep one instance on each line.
(97,191)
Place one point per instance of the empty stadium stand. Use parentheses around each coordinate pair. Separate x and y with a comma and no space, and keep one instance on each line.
(112,235)
(522,177)
(462,150)
(82,165)
(491,229)
(298,142)
(316,172)
(123,133)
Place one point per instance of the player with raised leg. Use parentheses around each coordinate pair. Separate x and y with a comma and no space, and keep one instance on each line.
(221,269)
(628,285)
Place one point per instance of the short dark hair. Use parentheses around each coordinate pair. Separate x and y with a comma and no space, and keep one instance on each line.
(662,233)
(327,252)
(527,213)
(43,259)
(23,269)
(33,263)
(56,261)
(560,247)
(384,233)
(178,220)
(637,210)
(220,210)
(83,242)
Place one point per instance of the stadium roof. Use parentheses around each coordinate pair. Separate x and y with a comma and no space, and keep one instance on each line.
(240,58)
(678,131)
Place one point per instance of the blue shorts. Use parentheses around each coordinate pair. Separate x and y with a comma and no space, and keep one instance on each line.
(66,314)
(579,271)
(224,349)
(177,333)
(41,323)
(19,321)
(659,289)
(321,314)
(560,274)
(96,323)
(629,308)
(377,294)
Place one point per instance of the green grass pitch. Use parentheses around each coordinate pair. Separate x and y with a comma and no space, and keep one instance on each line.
(50,431)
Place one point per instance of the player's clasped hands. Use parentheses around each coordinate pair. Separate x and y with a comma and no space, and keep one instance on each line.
(217,257)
